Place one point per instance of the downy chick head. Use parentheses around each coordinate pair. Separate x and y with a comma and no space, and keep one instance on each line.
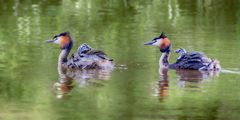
(83,49)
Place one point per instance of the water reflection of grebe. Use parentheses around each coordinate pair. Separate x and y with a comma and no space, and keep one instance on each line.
(186,79)
(189,78)
(80,78)
(63,86)
(162,85)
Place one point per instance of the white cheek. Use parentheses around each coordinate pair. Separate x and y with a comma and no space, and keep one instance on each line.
(157,43)
(57,41)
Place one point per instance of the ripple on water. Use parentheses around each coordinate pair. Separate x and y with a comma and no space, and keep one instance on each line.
(121,67)
(232,71)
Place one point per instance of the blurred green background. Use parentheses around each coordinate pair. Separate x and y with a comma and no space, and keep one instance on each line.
(28,66)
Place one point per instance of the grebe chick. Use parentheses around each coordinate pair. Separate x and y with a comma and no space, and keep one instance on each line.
(88,57)
(187,60)
(209,64)
(80,60)
(87,51)
(180,51)
(83,49)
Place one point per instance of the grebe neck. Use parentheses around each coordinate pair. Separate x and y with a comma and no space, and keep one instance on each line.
(164,60)
(61,60)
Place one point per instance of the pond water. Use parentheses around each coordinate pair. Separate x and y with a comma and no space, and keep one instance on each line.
(30,88)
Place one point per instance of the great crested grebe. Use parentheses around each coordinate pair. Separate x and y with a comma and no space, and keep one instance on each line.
(186,60)
(85,58)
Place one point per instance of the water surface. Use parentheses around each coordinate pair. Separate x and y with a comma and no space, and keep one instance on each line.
(29,83)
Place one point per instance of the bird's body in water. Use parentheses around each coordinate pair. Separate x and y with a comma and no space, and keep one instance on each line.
(186,60)
(85,58)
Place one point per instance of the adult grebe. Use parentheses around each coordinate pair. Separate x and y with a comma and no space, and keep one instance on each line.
(85,58)
(187,60)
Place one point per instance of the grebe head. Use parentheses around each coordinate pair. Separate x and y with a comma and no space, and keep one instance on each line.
(162,42)
(181,51)
(84,48)
(63,39)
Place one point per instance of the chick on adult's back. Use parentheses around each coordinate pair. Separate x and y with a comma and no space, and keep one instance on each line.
(187,60)
(85,58)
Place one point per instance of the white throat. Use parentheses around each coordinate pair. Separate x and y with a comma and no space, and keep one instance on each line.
(163,61)
(61,59)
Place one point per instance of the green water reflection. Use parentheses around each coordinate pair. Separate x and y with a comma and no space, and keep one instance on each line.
(134,90)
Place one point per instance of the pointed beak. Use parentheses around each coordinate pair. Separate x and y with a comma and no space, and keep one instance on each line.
(149,43)
(50,41)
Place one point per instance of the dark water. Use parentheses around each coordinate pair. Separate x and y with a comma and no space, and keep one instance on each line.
(29,84)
